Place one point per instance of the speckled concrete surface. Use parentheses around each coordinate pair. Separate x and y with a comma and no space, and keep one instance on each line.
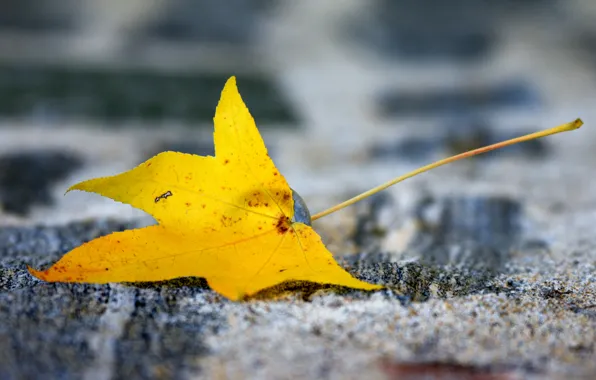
(490,264)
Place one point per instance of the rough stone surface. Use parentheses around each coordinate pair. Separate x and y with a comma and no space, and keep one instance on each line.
(489,264)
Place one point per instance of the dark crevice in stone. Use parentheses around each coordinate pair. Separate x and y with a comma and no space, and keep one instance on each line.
(415,149)
(26,177)
(303,290)
(435,30)
(415,281)
(193,282)
(459,30)
(36,16)
(458,101)
(44,329)
(460,245)
(474,232)
(235,22)
(163,338)
(589,311)
(55,93)
(369,231)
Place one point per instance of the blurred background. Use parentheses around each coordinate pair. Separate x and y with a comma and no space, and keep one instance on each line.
(346,93)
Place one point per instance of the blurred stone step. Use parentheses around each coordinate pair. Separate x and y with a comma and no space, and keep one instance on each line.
(58,93)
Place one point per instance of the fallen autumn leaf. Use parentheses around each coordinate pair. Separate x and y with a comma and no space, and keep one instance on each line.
(232,219)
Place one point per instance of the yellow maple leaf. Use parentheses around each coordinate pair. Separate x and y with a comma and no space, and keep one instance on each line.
(230,219)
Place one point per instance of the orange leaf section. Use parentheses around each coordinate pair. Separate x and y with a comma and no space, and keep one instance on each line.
(225,218)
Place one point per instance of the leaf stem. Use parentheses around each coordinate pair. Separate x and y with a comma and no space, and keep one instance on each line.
(547,132)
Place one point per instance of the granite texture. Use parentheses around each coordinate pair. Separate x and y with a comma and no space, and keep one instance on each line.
(489,265)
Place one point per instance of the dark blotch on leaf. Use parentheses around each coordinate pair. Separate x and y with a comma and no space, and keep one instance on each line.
(283,224)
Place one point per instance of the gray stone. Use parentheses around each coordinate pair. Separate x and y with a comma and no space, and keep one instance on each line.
(495,276)
(26,177)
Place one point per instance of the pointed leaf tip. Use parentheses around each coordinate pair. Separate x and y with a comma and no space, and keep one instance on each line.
(35,273)
(77,186)
(73,187)
(231,82)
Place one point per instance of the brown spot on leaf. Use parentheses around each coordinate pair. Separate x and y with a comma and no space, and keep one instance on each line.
(204,205)
(283,224)
(287,196)
(187,204)
(226,161)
